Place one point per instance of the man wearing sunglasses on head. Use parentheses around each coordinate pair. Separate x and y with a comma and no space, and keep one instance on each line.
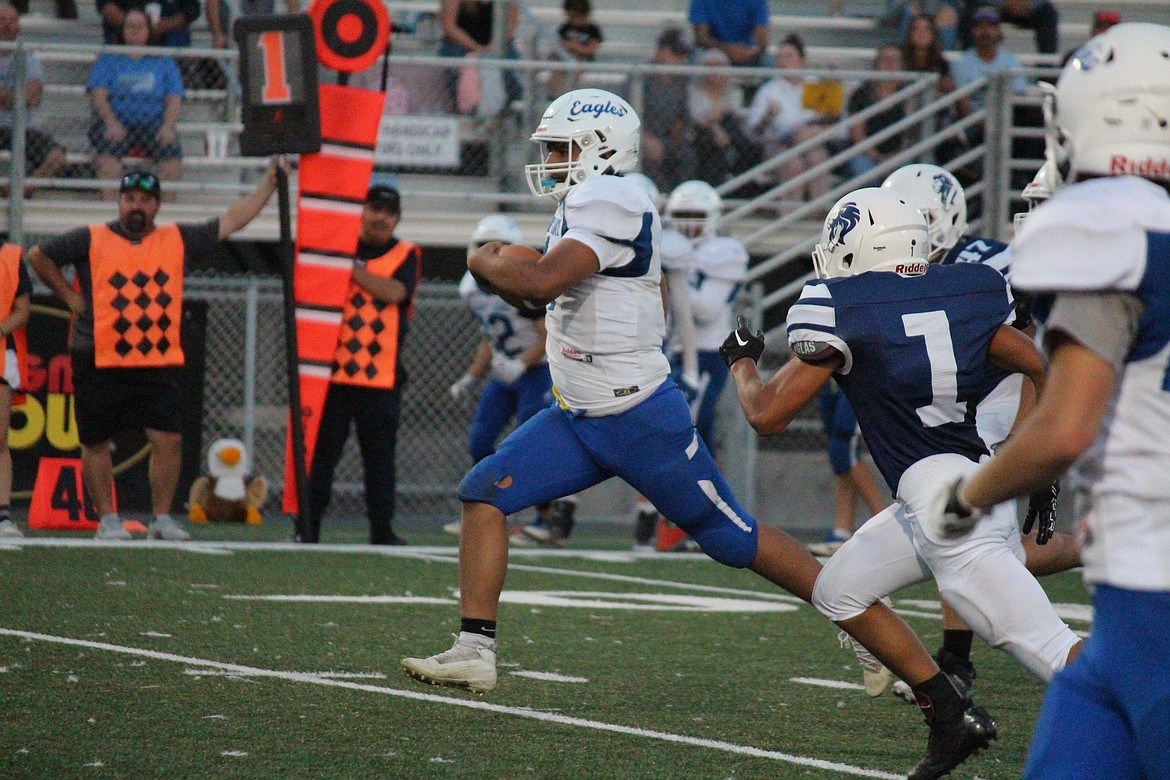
(124,344)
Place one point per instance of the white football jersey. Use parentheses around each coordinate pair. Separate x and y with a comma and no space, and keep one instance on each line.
(717,275)
(507,330)
(1113,234)
(605,332)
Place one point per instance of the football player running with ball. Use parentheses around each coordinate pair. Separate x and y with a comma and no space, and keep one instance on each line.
(618,413)
(1097,257)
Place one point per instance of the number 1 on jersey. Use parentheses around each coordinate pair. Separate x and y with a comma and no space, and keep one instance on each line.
(935,330)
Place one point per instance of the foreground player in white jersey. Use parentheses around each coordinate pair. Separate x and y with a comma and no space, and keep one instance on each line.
(620,414)
(1097,255)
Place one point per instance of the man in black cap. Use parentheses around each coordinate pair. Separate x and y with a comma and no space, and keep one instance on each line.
(367,374)
(1039,16)
(125,347)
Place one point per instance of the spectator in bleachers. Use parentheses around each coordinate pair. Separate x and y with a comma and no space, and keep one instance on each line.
(667,130)
(922,52)
(1039,16)
(986,56)
(65,9)
(888,58)
(217,19)
(723,146)
(739,28)
(170,20)
(467,30)
(779,116)
(580,37)
(1102,21)
(944,13)
(45,157)
(136,101)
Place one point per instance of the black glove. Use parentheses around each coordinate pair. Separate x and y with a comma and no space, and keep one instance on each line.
(740,343)
(1042,508)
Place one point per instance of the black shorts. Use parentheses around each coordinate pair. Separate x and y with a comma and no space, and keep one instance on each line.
(107,400)
(37,145)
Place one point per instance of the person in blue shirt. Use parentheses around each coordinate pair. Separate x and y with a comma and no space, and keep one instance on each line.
(136,100)
(739,28)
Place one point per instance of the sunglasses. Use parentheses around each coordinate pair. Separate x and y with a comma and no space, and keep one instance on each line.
(144,181)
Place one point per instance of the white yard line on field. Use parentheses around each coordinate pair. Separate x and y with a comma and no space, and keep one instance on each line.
(519,712)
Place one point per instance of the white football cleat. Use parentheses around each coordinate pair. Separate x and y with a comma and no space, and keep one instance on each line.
(470,664)
(874,673)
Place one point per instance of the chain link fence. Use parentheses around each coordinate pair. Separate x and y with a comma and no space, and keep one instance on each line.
(246,396)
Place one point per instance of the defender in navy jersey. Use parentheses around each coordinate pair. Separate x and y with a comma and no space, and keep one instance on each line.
(939,196)
(620,414)
(909,342)
(1097,256)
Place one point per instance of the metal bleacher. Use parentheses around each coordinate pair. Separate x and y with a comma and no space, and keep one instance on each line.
(443,205)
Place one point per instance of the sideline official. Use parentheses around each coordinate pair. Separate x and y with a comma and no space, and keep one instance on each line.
(124,345)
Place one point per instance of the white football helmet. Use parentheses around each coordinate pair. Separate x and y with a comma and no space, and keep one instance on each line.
(872,229)
(646,184)
(598,133)
(496,227)
(693,209)
(938,195)
(1109,114)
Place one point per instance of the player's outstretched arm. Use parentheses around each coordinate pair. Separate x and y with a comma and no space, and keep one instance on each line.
(1063,425)
(770,406)
(518,276)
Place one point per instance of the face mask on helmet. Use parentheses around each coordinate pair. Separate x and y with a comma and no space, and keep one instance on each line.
(938,195)
(1041,188)
(583,133)
(496,227)
(1109,114)
(872,229)
(693,209)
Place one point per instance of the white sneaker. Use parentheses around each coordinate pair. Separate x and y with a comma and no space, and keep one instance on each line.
(110,528)
(469,664)
(166,528)
(455,528)
(874,673)
(8,530)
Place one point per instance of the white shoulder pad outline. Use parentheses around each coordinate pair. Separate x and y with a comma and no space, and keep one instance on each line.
(813,318)
(722,257)
(1090,236)
(677,251)
(607,207)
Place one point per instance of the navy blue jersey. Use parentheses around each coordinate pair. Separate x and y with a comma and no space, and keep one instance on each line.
(990,252)
(915,353)
(984,251)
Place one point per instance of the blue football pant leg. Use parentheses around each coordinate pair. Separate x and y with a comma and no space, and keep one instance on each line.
(497,405)
(540,461)
(533,393)
(654,447)
(712,366)
(1108,713)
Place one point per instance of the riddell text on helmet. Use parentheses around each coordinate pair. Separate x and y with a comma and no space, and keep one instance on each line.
(1120,164)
